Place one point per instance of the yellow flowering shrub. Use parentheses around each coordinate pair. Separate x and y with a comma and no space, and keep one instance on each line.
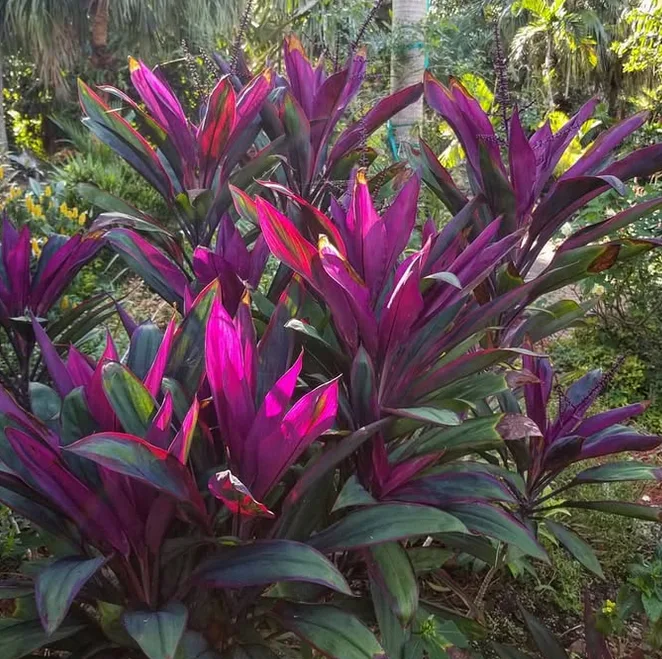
(43,207)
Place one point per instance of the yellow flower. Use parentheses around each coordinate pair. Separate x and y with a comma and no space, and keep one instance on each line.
(36,247)
(64,303)
(48,191)
(74,213)
(82,219)
(64,209)
(2,173)
(609,607)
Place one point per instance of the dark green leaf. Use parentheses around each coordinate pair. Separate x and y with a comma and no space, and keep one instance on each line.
(390,570)
(636,510)
(58,584)
(12,588)
(269,561)
(496,523)
(353,494)
(332,632)
(44,402)
(414,649)
(185,363)
(428,415)
(331,458)
(619,471)
(576,546)
(145,343)
(393,635)
(195,646)
(20,638)
(158,633)
(76,420)
(365,527)
(136,458)
(479,434)
(130,400)
(252,652)
(428,559)
(549,647)
(508,652)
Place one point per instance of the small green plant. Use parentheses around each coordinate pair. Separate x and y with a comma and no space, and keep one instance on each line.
(640,596)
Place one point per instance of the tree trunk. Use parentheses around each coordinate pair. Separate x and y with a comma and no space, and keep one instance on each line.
(407,63)
(4,142)
(99,21)
(547,71)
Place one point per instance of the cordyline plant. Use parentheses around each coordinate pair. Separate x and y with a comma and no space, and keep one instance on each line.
(33,278)
(412,337)
(123,467)
(201,496)
(532,200)
(168,488)
(571,436)
(248,123)
(312,105)
(189,165)
(212,494)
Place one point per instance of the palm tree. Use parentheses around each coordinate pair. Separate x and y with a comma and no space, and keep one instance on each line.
(56,33)
(4,39)
(4,142)
(559,42)
(407,61)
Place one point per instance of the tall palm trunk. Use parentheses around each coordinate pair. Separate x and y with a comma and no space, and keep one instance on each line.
(408,62)
(4,142)
(547,71)
(99,21)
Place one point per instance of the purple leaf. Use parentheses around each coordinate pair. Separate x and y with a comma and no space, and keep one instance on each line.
(165,108)
(268,419)
(300,74)
(617,439)
(56,367)
(229,381)
(603,420)
(311,416)
(549,149)
(598,230)
(159,433)
(522,167)
(386,108)
(181,445)
(65,262)
(236,496)
(74,498)
(604,145)
(358,295)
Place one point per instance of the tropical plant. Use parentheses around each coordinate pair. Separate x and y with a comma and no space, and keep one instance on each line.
(113,464)
(561,40)
(640,595)
(186,491)
(534,204)
(571,436)
(193,167)
(314,105)
(190,164)
(33,277)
